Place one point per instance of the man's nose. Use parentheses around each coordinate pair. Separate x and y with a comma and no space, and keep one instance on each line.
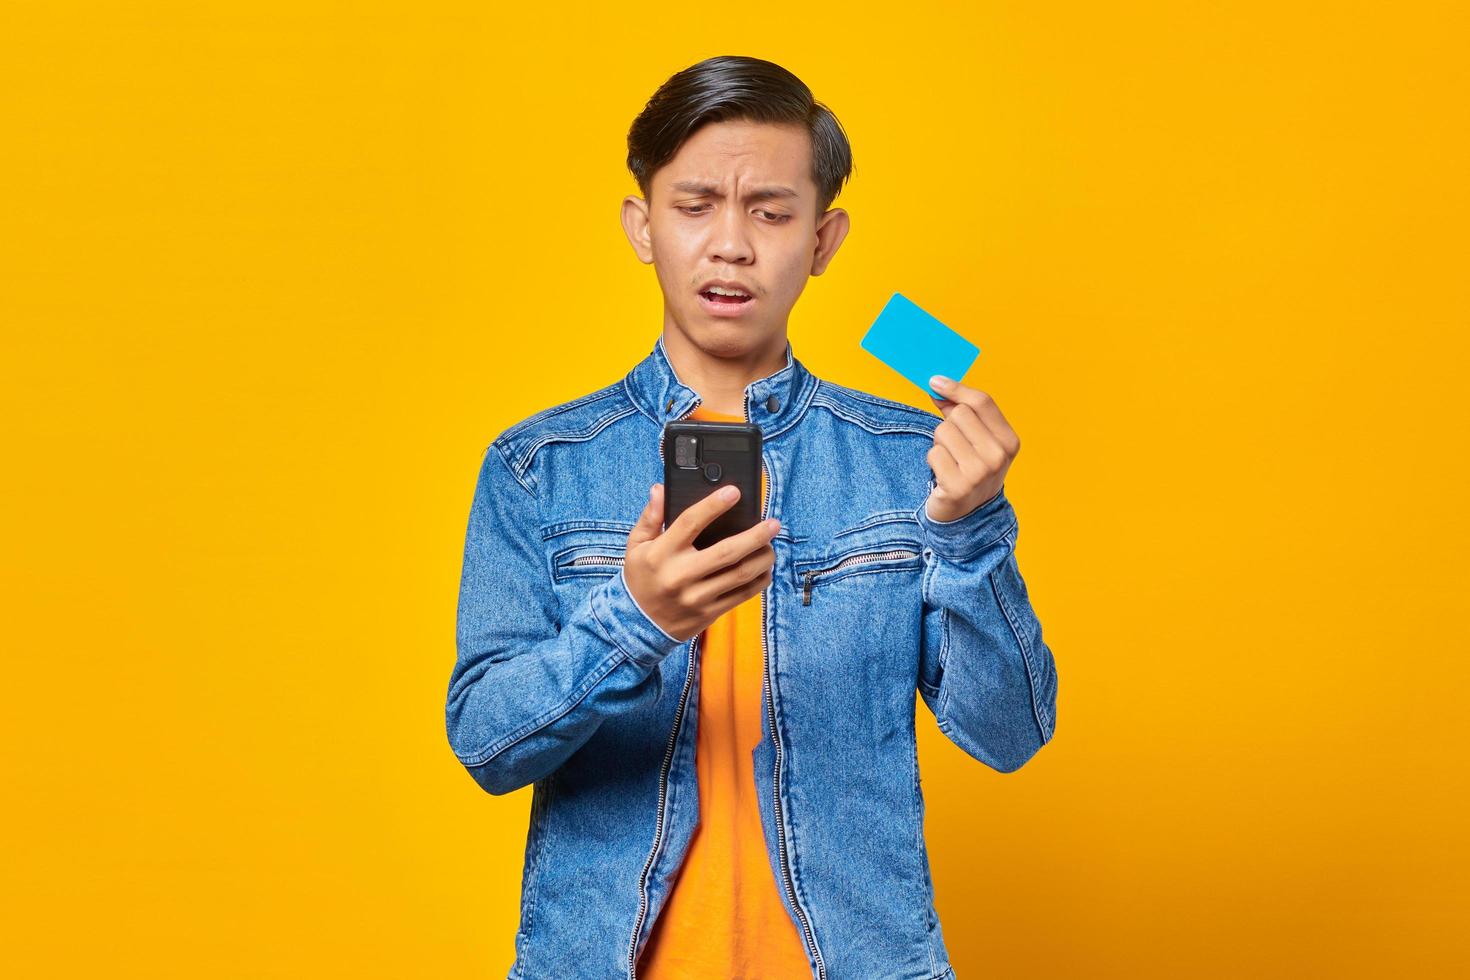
(730,237)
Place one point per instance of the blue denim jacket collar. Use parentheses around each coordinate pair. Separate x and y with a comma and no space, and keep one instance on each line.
(775,402)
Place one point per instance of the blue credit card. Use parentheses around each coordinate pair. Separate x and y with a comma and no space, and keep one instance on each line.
(917,345)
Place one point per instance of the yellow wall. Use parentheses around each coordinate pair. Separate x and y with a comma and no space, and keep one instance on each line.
(276,273)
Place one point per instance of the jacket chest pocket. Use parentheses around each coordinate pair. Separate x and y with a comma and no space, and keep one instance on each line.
(871,556)
(585,552)
(586,560)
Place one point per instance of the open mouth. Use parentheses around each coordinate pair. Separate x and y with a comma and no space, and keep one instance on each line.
(729,298)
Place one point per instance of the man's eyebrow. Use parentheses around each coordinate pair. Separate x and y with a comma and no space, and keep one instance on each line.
(710,190)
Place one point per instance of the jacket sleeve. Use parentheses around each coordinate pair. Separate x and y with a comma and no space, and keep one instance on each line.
(984,669)
(527,690)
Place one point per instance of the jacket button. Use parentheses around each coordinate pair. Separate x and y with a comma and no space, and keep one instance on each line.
(773,403)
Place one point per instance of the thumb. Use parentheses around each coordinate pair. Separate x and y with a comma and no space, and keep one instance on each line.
(651,521)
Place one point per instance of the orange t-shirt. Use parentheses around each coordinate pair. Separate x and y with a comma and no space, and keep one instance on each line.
(724,917)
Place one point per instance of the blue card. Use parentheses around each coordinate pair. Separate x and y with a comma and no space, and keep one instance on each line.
(917,345)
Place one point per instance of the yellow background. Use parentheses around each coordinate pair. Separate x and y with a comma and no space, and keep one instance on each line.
(275,274)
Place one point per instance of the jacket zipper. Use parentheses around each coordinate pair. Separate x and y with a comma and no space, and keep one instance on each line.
(810,577)
(663,784)
(594,560)
(663,773)
(806,927)
(776,776)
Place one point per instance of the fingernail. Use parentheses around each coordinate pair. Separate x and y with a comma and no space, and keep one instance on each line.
(939,381)
(729,492)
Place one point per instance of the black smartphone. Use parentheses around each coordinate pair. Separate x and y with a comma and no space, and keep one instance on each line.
(701,457)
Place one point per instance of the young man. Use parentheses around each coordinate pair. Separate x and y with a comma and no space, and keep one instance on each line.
(721,740)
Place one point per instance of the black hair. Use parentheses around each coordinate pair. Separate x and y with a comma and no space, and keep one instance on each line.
(735,87)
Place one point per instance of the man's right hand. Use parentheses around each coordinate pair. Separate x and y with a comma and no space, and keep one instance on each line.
(683,588)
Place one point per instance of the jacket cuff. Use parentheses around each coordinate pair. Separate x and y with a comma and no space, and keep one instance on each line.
(627,626)
(964,537)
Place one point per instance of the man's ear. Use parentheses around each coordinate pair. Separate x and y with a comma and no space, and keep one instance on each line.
(635,226)
(831,230)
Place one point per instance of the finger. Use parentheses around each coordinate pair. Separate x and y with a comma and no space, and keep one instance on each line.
(985,407)
(947,473)
(731,598)
(700,515)
(975,463)
(960,450)
(730,580)
(650,522)
(984,448)
(974,425)
(728,551)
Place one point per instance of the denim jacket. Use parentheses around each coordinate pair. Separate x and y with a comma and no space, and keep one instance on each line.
(562,681)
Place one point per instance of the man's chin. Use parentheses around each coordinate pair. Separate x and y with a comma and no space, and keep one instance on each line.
(728,336)
(733,340)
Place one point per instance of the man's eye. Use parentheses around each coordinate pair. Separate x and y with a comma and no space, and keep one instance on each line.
(773,216)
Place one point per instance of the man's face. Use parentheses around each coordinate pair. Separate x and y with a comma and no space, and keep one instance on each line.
(737,203)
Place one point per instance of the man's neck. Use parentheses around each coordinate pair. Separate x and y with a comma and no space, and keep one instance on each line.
(721,381)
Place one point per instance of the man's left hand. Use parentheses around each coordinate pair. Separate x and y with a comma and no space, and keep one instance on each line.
(973,448)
